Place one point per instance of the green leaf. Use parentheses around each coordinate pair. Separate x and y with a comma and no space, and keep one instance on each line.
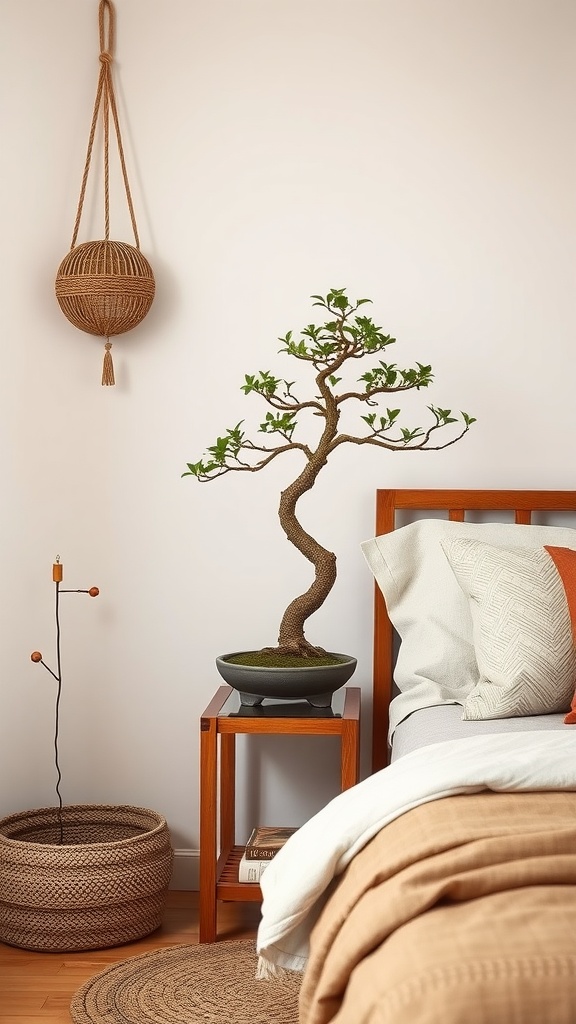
(411,435)
(279,423)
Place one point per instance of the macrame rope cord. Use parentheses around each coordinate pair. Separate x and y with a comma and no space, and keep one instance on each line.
(106,99)
(105,287)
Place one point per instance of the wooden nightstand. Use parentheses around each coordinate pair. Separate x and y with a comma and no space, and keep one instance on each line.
(222,720)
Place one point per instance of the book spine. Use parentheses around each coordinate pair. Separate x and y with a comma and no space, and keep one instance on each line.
(251,871)
(261,852)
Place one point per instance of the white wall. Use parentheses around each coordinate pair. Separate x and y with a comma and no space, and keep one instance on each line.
(418,152)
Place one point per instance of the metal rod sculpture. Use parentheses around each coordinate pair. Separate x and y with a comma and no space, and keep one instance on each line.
(57,576)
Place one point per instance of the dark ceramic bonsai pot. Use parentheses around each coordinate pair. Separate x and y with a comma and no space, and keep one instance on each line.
(314,683)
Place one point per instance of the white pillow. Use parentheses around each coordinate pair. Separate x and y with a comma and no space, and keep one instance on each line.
(520,603)
(436,662)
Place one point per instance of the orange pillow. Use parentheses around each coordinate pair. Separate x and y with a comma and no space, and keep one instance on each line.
(565,566)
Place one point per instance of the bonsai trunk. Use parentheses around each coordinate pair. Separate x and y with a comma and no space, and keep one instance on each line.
(291,638)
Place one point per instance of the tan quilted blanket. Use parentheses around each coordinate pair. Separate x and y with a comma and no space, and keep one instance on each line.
(462,911)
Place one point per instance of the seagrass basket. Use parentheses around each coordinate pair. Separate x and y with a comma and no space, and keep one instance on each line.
(104,885)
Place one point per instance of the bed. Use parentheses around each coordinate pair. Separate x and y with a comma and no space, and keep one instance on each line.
(443,886)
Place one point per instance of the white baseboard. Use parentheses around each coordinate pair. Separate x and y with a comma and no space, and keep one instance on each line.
(185,872)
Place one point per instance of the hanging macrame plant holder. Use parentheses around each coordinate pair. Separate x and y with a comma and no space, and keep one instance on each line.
(105,287)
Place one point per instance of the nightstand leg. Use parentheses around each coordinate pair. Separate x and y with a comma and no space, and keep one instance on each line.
(227,792)
(350,753)
(208,799)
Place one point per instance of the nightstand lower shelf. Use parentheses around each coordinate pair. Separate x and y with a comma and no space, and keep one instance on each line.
(228,887)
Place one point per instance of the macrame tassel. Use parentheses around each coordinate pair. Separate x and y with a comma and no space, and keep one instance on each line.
(108,367)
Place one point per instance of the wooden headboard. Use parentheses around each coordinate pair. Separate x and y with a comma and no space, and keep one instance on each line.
(456,503)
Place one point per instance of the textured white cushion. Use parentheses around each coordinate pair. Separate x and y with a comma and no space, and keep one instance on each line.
(436,662)
(522,627)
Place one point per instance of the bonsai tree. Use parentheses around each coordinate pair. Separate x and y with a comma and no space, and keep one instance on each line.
(344,338)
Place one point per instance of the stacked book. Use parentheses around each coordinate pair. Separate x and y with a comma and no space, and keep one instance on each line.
(262,846)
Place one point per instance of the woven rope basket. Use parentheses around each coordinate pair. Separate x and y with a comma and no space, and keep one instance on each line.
(105,287)
(104,886)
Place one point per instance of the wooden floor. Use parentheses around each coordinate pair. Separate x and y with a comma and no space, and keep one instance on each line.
(36,988)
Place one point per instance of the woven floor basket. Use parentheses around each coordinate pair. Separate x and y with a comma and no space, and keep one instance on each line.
(104,886)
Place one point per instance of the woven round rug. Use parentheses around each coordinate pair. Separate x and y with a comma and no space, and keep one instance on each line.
(212,983)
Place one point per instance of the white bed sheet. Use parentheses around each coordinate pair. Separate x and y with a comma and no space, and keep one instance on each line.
(444,722)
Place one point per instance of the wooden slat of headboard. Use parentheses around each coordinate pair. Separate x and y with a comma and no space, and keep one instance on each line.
(456,503)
